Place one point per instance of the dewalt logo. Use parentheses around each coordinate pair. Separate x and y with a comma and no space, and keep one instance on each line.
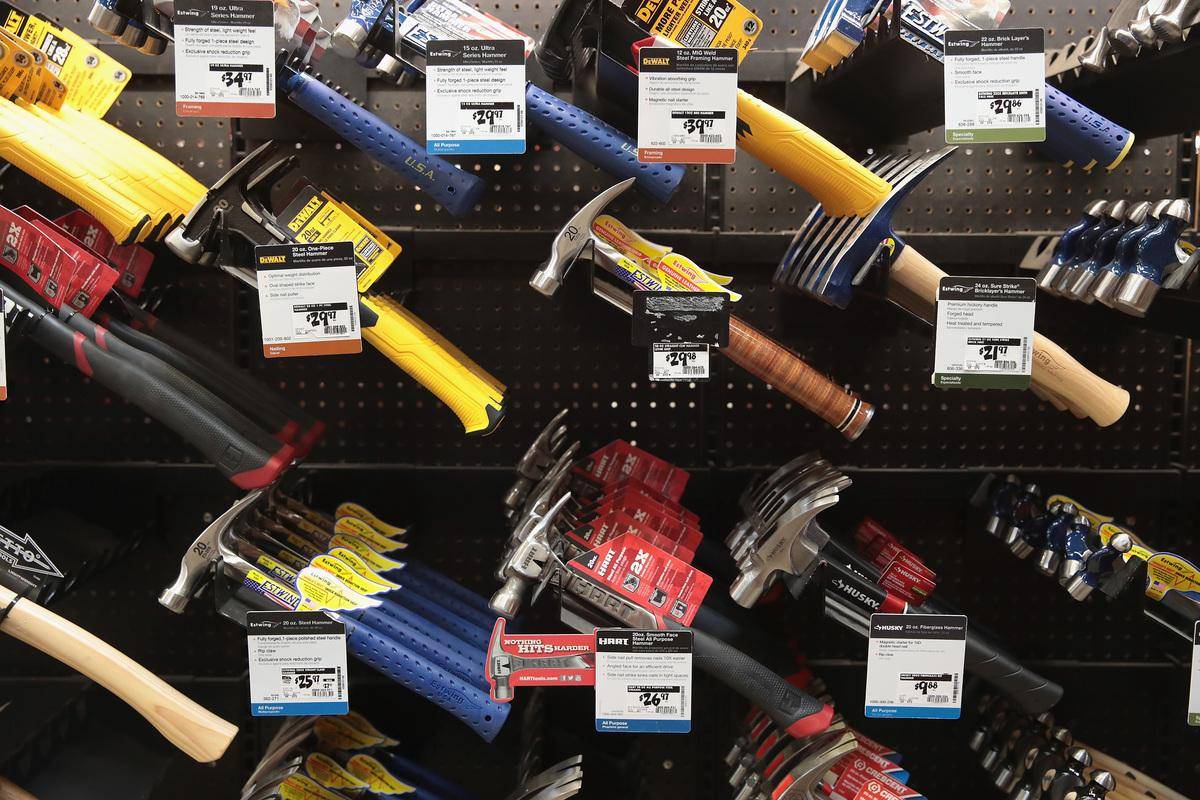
(306,213)
(272,259)
(646,11)
(655,61)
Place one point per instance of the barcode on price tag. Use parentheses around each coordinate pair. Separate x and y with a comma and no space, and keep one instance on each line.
(224,58)
(679,361)
(983,334)
(308,299)
(995,85)
(687,105)
(475,96)
(297,664)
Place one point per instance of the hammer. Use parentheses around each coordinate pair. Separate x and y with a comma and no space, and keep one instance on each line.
(749,348)
(830,255)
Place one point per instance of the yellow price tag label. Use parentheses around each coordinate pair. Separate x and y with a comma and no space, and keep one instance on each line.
(362,568)
(302,787)
(377,776)
(363,724)
(338,734)
(346,574)
(359,511)
(353,526)
(373,559)
(327,772)
(322,591)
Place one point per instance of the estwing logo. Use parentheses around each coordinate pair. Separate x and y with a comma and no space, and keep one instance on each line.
(24,555)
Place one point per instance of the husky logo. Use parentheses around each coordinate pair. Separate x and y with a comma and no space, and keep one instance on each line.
(855,593)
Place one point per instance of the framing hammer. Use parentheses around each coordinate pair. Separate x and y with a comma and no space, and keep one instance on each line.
(749,348)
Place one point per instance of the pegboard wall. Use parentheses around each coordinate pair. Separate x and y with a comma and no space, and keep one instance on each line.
(393,445)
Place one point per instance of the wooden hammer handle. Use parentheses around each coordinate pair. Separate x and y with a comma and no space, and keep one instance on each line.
(914,285)
(10,791)
(190,727)
(767,359)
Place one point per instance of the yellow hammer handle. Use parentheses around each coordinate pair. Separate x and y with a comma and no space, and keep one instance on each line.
(193,729)
(1055,372)
(837,181)
(475,397)
(39,151)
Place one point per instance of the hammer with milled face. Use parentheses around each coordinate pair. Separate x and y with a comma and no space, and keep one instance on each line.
(748,347)
(831,255)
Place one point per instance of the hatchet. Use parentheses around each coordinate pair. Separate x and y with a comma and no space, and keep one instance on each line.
(190,727)
(831,255)
(749,348)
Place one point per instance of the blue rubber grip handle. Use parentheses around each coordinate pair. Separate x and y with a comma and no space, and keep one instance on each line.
(427,640)
(593,139)
(424,778)
(438,615)
(456,190)
(469,703)
(1083,136)
(453,595)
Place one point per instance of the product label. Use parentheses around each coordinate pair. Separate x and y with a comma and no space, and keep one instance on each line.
(538,659)
(308,299)
(320,590)
(995,86)
(687,105)
(653,267)
(984,333)
(313,217)
(859,779)
(1167,572)
(378,777)
(698,23)
(357,720)
(327,772)
(359,511)
(679,328)
(224,58)
(22,554)
(451,19)
(619,459)
(297,664)
(1194,694)
(338,733)
(132,262)
(648,576)
(915,666)
(365,532)
(302,787)
(93,79)
(643,681)
(475,97)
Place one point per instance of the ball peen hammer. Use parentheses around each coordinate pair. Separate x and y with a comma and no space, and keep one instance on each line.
(749,348)
(831,255)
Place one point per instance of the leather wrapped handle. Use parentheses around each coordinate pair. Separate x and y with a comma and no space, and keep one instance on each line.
(842,185)
(593,139)
(469,703)
(793,709)
(193,729)
(770,361)
(454,189)
(913,284)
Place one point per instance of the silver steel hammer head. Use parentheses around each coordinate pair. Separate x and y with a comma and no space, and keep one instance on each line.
(572,239)
(537,459)
(199,558)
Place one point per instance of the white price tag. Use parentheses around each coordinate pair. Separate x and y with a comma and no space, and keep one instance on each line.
(225,58)
(643,681)
(308,299)
(995,86)
(687,105)
(675,361)
(297,664)
(984,333)
(1194,695)
(915,666)
(475,96)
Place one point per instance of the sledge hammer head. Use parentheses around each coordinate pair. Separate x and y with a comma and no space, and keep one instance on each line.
(831,255)
(573,239)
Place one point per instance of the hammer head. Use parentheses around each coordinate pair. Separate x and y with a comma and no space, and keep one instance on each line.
(199,558)
(572,239)
(831,255)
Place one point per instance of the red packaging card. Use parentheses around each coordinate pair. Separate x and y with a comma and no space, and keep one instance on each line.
(36,257)
(605,528)
(132,262)
(620,459)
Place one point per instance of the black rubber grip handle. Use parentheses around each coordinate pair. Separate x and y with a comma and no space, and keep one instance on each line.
(280,416)
(1030,691)
(246,464)
(798,712)
(152,365)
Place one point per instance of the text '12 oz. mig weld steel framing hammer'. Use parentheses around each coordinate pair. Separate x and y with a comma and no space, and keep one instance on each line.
(841,184)
(830,255)
(748,347)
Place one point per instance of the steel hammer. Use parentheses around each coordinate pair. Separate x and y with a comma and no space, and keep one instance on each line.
(831,255)
(749,348)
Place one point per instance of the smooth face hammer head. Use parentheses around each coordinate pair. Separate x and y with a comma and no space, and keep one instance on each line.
(199,558)
(572,239)
(831,255)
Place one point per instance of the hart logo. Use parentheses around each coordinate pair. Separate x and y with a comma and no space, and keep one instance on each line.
(612,640)
(23,554)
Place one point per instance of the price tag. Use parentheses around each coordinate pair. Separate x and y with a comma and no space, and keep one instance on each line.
(308,299)
(995,86)
(984,333)
(643,681)
(1194,695)
(475,96)
(225,58)
(679,327)
(698,23)
(297,664)
(671,361)
(687,105)
(915,666)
